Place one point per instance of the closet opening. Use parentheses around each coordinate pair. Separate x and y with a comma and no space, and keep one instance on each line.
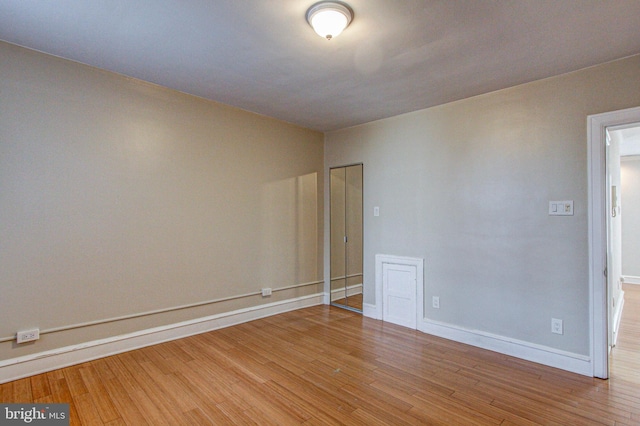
(346,184)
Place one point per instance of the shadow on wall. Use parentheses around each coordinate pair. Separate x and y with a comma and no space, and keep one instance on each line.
(289,220)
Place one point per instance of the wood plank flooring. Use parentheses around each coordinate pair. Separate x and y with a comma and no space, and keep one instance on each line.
(328,366)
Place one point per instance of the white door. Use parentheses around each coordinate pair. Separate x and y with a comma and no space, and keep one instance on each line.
(614,234)
(399,293)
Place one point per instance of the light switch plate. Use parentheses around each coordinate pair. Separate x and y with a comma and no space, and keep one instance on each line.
(561,208)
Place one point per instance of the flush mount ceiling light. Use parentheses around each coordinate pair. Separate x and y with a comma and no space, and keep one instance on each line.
(329,18)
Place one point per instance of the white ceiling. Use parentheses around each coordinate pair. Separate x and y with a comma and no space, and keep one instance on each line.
(397,56)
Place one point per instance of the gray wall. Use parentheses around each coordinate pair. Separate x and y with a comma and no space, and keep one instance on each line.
(118,198)
(466,186)
(631,216)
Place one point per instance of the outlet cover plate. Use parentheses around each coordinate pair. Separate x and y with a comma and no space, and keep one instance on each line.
(25,336)
(556,326)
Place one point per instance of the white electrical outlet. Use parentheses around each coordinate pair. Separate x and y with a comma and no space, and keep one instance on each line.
(266,292)
(556,326)
(28,335)
(435,302)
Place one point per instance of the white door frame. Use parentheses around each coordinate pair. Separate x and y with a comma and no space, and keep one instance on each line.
(597,228)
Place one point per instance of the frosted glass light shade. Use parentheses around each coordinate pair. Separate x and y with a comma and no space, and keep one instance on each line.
(328,19)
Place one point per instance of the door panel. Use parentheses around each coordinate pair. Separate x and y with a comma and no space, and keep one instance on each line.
(399,294)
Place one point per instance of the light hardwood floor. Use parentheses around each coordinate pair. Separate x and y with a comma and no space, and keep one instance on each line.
(322,366)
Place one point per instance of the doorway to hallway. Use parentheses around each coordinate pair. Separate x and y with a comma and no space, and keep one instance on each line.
(605,276)
(623,266)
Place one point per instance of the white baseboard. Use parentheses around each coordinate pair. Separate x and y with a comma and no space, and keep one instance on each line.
(370,311)
(29,365)
(576,363)
(628,279)
(580,364)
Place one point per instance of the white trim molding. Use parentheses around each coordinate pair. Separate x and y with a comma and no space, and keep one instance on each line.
(369,310)
(628,279)
(159,311)
(597,229)
(576,363)
(29,365)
